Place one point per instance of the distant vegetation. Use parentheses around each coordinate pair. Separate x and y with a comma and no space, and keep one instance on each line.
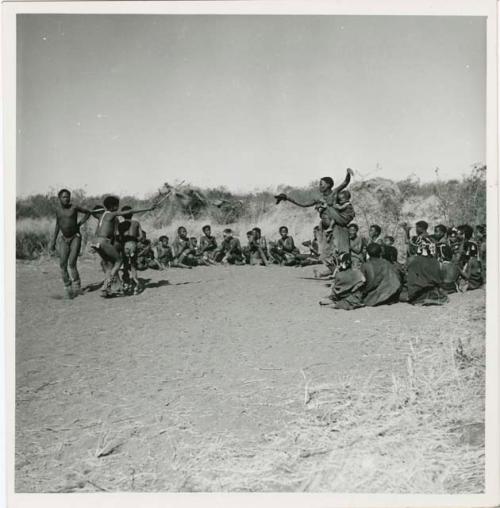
(375,200)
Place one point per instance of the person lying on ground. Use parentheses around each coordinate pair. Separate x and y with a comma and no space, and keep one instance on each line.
(347,292)
(105,240)
(425,277)
(383,283)
(70,241)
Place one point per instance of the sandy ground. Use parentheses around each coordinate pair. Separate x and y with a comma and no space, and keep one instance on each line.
(117,394)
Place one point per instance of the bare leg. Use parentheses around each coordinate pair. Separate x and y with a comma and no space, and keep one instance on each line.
(64,251)
(74,252)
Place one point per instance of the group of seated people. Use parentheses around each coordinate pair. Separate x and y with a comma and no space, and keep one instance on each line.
(447,261)
(186,252)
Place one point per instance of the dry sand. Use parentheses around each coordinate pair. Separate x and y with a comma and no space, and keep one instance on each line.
(187,384)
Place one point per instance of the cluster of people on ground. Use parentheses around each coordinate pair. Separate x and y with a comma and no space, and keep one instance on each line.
(364,271)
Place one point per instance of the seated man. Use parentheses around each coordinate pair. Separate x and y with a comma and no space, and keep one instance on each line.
(450,272)
(208,244)
(312,257)
(229,251)
(182,250)
(424,277)
(383,283)
(284,251)
(347,287)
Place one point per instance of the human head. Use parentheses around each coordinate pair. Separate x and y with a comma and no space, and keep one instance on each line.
(326,184)
(250,234)
(194,241)
(343,197)
(128,215)
(315,232)
(111,203)
(345,261)
(207,230)
(465,232)
(227,233)
(421,227)
(439,231)
(481,231)
(388,240)
(163,240)
(353,231)
(182,232)
(283,231)
(64,196)
(374,231)
(374,250)
(257,232)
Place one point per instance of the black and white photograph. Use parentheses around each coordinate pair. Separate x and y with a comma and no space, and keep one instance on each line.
(251,250)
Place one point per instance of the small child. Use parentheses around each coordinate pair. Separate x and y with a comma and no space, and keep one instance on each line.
(70,241)
(284,251)
(145,253)
(105,240)
(163,255)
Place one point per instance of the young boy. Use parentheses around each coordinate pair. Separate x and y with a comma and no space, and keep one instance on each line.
(71,240)
(198,256)
(208,244)
(230,251)
(105,240)
(284,251)
(246,250)
(357,245)
(258,248)
(129,231)
(182,250)
(163,256)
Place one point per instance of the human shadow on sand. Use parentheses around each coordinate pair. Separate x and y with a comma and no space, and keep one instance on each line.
(147,284)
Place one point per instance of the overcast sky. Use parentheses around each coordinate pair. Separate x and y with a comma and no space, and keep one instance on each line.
(123,103)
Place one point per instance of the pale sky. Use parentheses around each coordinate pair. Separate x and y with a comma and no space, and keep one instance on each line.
(123,103)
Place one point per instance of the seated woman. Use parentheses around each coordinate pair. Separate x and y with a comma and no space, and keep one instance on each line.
(424,278)
(383,283)
(347,286)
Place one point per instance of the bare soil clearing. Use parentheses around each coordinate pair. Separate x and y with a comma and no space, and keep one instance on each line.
(192,384)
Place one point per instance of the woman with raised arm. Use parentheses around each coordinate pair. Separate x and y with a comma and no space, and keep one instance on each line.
(333,233)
